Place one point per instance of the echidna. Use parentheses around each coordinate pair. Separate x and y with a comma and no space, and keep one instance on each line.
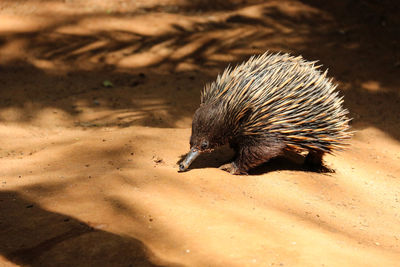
(269,104)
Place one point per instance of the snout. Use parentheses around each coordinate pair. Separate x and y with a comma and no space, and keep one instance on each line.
(191,156)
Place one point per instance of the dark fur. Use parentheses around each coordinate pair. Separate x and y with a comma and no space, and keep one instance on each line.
(249,151)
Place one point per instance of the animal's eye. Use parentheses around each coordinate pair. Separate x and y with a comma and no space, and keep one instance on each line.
(204,145)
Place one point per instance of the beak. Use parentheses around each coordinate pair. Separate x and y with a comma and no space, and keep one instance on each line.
(191,156)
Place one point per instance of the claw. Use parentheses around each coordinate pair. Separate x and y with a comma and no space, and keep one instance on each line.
(232,169)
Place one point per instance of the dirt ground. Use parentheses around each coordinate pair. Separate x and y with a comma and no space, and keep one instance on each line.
(96,104)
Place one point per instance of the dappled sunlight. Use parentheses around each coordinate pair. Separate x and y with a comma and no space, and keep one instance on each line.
(98,38)
(125,182)
(95,116)
(191,40)
(372,86)
(372,103)
(53,100)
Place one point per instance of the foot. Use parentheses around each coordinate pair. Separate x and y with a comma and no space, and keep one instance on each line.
(314,158)
(232,169)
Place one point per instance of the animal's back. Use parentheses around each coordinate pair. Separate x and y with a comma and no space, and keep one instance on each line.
(285,97)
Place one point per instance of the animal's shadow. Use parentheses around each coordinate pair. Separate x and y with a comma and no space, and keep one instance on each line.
(289,161)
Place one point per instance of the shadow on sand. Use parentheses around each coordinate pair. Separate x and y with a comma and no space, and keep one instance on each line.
(33,236)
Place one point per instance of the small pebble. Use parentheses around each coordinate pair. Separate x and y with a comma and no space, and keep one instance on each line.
(158,160)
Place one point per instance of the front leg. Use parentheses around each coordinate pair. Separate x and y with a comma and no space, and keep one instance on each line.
(232,168)
(250,156)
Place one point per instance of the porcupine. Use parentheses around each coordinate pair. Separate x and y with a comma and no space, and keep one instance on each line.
(268,105)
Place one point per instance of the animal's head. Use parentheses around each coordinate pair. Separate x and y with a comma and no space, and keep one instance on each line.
(209,131)
(208,128)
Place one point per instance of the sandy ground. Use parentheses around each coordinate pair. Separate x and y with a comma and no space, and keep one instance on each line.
(95,113)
